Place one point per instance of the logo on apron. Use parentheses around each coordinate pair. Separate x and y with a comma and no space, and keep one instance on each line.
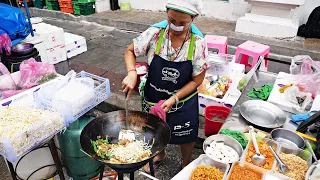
(170,74)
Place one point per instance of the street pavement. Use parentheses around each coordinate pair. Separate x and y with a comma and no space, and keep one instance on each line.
(106,47)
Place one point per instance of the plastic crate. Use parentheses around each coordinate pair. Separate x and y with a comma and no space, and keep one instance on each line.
(66,10)
(53,6)
(64,5)
(14,148)
(86,1)
(101,93)
(83,6)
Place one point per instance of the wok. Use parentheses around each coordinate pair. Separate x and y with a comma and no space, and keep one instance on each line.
(110,124)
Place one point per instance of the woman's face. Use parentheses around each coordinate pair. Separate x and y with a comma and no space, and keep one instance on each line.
(179,22)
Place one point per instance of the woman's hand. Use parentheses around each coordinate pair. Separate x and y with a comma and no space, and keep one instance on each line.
(166,106)
(129,82)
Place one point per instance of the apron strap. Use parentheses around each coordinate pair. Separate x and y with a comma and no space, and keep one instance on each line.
(160,42)
(191,47)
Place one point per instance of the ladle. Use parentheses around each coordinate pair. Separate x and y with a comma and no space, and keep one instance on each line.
(257,159)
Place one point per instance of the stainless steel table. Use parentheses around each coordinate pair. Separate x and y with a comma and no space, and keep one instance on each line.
(235,121)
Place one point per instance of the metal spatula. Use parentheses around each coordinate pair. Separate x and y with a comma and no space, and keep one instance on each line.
(125,132)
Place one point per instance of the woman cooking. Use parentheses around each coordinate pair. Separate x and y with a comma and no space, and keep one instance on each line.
(177,55)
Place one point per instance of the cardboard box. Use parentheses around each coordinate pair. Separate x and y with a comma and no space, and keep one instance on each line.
(74,44)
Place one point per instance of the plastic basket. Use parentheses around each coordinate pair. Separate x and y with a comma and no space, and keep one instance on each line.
(12,149)
(53,6)
(212,127)
(101,93)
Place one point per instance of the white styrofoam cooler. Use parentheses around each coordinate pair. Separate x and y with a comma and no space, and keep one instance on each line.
(74,44)
(54,42)
(56,54)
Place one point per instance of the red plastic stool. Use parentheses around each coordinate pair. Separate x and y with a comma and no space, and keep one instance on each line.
(212,127)
(254,50)
(217,42)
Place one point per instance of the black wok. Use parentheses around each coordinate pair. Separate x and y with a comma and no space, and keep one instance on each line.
(110,124)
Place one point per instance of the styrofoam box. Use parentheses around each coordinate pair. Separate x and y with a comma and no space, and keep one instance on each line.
(201,160)
(102,5)
(74,44)
(56,54)
(52,35)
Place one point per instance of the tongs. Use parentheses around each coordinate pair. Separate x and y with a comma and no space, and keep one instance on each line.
(245,80)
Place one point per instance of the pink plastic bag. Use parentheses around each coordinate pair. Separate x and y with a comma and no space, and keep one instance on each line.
(306,73)
(5,43)
(9,93)
(6,81)
(32,71)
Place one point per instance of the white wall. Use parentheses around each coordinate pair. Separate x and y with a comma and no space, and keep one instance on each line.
(220,9)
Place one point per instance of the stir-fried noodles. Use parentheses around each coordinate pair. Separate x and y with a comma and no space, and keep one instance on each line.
(124,152)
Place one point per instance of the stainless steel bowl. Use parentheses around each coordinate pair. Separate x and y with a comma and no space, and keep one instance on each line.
(229,141)
(287,138)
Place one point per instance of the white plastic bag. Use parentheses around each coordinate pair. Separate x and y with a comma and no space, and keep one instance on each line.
(293,93)
(77,92)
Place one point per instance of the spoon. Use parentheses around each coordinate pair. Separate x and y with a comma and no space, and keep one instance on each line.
(311,151)
(257,159)
(282,167)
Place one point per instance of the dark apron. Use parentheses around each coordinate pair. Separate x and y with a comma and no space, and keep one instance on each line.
(164,79)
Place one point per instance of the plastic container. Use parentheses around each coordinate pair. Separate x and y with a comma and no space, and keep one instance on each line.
(65,5)
(247,166)
(219,64)
(201,160)
(305,155)
(267,141)
(101,93)
(212,127)
(12,149)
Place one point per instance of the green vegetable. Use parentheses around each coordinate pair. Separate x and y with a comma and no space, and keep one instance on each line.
(95,145)
(47,78)
(236,135)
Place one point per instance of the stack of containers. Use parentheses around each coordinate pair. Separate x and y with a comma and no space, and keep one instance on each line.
(66,6)
(54,42)
(84,7)
(52,5)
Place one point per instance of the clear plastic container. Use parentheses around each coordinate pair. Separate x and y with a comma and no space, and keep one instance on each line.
(270,142)
(201,160)
(219,64)
(305,155)
(246,166)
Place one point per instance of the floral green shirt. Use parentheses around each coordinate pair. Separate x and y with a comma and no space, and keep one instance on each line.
(146,44)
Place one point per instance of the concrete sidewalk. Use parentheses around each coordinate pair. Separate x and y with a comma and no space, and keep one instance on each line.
(139,21)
